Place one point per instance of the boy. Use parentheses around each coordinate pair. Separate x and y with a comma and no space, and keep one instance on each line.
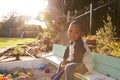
(76,54)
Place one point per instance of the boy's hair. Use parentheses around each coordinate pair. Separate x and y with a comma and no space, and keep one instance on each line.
(79,24)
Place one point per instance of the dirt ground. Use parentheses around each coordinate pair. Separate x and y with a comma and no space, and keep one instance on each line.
(39,74)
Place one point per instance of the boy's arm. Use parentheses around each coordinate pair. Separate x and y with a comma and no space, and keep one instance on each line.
(64,60)
(79,52)
(66,54)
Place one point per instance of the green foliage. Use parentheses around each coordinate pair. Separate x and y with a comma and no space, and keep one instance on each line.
(41,35)
(46,40)
(13,22)
(29,30)
(13,25)
(105,39)
(56,23)
(115,49)
(18,50)
(1,26)
(108,31)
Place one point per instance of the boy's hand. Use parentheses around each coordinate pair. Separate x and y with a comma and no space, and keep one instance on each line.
(62,66)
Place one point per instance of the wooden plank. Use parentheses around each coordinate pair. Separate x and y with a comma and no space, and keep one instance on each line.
(115,73)
(56,56)
(55,60)
(3,57)
(107,65)
(21,64)
(79,76)
(8,59)
(58,50)
(107,60)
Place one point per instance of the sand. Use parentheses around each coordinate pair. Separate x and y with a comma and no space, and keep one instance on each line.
(39,74)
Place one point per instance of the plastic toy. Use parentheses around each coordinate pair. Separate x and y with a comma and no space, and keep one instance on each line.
(1,72)
(15,75)
(4,78)
(1,77)
(9,76)
(20,73)
(29,73)
(47,70)
(41,66)
(16,72)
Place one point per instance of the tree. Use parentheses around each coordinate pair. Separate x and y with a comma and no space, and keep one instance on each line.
(12,22)
(56,20)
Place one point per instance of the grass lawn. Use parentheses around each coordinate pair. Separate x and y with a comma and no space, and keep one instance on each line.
(13,41)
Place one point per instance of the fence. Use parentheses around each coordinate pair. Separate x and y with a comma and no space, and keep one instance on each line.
(97,12)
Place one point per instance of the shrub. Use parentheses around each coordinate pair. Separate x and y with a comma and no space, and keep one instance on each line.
(41,35)
(17,52)
(105,39)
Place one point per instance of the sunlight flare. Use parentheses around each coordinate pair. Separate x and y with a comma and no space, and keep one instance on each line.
(36,22)
(25,7)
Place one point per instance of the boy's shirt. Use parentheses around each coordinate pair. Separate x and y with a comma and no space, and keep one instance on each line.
(79,52)
(74,51)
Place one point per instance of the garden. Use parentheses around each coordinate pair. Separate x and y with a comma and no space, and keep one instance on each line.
(103,44)
(23,44)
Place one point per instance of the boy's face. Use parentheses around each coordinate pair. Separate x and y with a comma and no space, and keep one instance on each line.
(74,32)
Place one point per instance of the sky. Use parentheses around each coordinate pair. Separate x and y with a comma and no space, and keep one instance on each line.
(28,7)
(24,7)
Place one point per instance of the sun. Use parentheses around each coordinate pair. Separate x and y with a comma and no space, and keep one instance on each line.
(33,7)
(25,7)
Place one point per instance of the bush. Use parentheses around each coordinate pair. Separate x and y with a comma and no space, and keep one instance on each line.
(41,35)
(18,51)
(105,39)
